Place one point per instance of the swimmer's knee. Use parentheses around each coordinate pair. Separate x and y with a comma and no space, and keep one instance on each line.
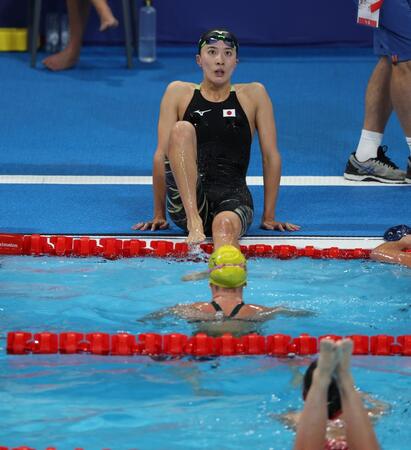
(182,131)
(227,221)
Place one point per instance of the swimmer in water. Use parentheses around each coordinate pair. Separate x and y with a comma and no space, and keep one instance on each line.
(226,312)
(394,251)
(334,417)
(205,133)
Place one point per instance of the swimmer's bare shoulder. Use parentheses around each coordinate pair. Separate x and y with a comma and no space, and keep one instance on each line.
(193,311)
(179,93)
(252,96)
(253,92)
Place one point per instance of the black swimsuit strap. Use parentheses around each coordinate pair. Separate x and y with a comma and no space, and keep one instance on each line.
(233,313)
(236,310)
(216,306)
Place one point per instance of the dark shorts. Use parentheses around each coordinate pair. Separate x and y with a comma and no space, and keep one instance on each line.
(210,202)
(393,37)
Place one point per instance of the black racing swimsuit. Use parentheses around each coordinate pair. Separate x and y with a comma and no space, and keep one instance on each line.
(223,154)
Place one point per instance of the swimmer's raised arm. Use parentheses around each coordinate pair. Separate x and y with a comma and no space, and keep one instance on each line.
(267,136)
(167,119)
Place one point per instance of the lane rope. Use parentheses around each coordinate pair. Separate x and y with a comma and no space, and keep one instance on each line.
(113,248)
(176,344)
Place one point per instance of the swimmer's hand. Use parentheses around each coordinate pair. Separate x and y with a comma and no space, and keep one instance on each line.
(194,276)
(269,224)
(158,223)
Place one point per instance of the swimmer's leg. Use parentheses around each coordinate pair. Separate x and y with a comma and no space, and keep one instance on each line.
(226,229)
(182,154)
(359,431)
(107,20)
(312,425)
(78,11)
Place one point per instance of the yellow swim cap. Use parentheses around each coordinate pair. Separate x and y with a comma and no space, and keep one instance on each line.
(228,267)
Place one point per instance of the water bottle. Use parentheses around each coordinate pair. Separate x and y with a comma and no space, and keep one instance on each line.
(147,33)
(64,32)
(52,33)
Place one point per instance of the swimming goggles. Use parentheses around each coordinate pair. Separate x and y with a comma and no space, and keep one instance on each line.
(213,38)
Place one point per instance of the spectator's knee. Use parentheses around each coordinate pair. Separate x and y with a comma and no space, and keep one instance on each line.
(402,69)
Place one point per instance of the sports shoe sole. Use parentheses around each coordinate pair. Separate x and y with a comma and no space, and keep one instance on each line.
(352,177)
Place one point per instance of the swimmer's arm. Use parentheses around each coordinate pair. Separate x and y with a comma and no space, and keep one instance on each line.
(167,119)
(378,407)
(267,135)
(393,252)
(157,315)
(268,313)
(290,419)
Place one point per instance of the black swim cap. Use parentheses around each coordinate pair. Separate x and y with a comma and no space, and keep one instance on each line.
(333,396)
(213,36)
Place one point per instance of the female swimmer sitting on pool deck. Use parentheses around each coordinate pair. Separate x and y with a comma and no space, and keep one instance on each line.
(334,417)
(227,312)
(204,140)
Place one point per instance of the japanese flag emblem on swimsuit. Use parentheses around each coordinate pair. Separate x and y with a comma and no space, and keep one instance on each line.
(228,112)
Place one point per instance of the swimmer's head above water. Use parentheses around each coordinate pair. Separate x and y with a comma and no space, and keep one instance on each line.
(333,397)
(227,267)
(213,36)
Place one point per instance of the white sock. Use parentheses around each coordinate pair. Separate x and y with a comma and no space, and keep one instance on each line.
(408,139)
(368,145)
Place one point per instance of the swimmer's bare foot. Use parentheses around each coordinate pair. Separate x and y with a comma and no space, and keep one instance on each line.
(328,358)
(107,20)
(345,348)
(63,60)
(111,22)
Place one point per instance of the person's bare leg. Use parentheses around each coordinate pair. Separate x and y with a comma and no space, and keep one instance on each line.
(378,105)
(226,229)
(312,425)
(78,11)
(107,20)
(182,154)
(359,431)
(401,94)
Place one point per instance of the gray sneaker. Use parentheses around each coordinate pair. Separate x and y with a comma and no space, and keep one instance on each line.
(408,176)
(380,169)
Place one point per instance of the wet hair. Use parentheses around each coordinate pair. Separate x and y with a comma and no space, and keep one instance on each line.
(333,397)
(218,35)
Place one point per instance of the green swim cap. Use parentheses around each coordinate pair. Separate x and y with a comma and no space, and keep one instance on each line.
(228,267)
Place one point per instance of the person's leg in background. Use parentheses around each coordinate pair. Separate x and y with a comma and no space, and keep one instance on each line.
(401,99)
(388,88)
(378,108)
(369,162)
(107,20)
(78,11)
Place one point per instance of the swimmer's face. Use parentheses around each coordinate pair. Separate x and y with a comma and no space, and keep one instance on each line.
(218,61)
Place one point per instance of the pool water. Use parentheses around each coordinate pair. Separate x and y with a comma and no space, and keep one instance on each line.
(127,403)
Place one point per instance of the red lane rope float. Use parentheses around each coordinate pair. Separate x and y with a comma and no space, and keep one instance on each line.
(112,248)
(175,344)
(31,448)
